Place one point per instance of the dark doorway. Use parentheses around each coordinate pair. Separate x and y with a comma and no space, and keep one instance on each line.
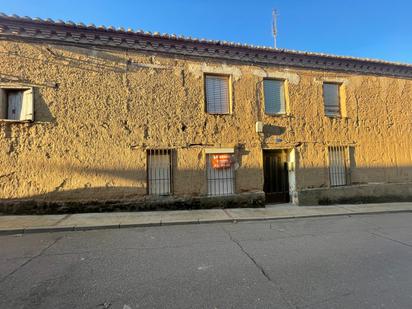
(275,170)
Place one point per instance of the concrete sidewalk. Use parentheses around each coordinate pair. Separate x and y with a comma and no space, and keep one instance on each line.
(90,221)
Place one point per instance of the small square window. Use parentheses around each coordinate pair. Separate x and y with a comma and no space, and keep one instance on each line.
(217,94)
(274,92)
(16,104)
(331,99)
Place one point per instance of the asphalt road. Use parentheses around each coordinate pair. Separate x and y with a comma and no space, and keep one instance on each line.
(334,262)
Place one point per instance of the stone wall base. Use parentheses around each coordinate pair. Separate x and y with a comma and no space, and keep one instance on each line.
(142,203)
(357,194)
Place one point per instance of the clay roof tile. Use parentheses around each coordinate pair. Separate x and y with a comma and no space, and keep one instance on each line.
(30,23)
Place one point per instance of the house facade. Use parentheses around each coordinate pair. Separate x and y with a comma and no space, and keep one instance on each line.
(101,114)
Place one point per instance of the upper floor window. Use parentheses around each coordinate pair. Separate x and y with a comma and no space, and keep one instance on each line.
(331,99)
(274,93)
(16,104)
(217,91)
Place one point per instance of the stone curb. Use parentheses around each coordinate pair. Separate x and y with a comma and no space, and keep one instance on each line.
(11,231)
(49,229)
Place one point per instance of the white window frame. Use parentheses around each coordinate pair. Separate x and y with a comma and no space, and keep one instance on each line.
(283,100)
(27,103)
(339,100)
(228,80)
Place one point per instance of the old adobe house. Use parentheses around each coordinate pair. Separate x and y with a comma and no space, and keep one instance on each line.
(95,114)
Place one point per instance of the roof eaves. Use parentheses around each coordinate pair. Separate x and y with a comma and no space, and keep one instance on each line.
(315,60)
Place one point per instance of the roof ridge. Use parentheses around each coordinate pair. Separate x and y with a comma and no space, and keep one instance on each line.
(222,43)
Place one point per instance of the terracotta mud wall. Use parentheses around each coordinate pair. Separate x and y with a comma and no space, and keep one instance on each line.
(97,111)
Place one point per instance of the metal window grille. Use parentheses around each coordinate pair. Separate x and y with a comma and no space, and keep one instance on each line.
(220,181)
(338,165)
(274,96)
(331,99)
(217,94)
(159,171)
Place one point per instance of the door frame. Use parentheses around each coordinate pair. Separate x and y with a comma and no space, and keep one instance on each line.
(287,157)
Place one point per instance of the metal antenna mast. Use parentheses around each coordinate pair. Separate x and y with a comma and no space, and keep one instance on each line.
(274,25)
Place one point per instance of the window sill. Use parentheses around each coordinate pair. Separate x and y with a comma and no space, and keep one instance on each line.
(15,121)
(216,114)
(279,115)
(339,186)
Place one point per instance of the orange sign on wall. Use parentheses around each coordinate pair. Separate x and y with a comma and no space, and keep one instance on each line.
(221,161)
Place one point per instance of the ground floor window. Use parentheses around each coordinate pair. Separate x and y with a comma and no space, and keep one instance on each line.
(220,174)
(338,165)
(159,171)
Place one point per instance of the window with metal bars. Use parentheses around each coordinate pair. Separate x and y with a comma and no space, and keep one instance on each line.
(159,171)
(331,99)
(217,94)
(274,93)
(220,176)
(338,165)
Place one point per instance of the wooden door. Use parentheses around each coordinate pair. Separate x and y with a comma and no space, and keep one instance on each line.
(275,170)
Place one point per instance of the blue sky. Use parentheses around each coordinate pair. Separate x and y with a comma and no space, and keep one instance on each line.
(362,28)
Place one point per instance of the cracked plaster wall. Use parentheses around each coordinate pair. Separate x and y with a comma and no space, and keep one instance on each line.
(97,111)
